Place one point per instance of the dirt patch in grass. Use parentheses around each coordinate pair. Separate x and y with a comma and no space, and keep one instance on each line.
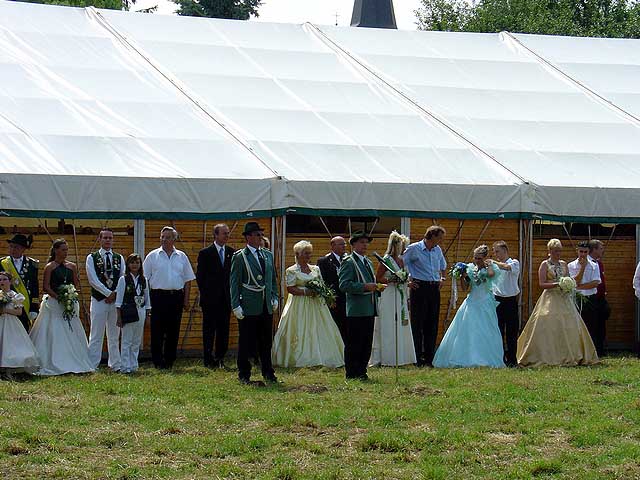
(422,391)
(313,388)
(16,450)
(606,383)
(503,438)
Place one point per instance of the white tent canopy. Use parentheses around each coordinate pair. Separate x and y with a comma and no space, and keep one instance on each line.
(122,114)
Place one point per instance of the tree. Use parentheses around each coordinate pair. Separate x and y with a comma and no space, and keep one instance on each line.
(108,4)
(234,9)
(596,18)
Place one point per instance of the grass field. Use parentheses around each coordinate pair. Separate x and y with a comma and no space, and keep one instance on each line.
(574,423)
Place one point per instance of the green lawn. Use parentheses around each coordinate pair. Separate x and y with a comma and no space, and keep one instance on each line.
(575,423)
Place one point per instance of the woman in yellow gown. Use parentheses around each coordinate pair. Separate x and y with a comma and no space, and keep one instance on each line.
(307,336)
(555,334)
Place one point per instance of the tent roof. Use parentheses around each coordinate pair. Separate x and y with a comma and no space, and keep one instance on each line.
(147,115)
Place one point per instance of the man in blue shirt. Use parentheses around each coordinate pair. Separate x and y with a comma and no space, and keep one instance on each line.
(426,265)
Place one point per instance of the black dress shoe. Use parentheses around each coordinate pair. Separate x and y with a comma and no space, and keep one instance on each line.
(244,380)
(364,378)
(271,379)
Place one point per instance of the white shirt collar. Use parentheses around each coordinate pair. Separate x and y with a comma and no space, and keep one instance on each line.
(338,257)
(218,247)
(361,257)
(253,249)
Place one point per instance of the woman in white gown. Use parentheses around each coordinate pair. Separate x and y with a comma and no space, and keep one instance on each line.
(17,353)
(307,336)
(60,341)
(386,331)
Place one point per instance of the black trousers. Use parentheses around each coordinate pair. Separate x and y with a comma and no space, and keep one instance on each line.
(602,311)
(587,308)
(425,313)
(215,324)
(357,346)
(339,314)
(509,323)
(166,315)
(255,335)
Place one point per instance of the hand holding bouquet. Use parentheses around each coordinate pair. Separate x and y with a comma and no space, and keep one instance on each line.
(68,298)
(567,285)
(321,289)
(459,270)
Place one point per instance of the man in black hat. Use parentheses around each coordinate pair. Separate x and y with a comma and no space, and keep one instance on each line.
(358,282)
(24,271)
(254,297)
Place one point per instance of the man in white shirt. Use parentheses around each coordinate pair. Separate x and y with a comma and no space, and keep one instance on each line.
(587,276)
(506,291)
(169,274)
(104,269)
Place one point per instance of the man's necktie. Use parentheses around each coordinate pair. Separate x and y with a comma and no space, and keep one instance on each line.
(109,267)
(261,260)
(221,252)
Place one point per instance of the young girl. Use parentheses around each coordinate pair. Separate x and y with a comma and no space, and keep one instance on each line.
(17,353)
(134,309)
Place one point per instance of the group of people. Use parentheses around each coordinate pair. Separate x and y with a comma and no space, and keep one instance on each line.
(388,315)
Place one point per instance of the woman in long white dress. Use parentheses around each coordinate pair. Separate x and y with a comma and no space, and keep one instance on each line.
(386,331)
(307,336)
(60,340)
(17,353)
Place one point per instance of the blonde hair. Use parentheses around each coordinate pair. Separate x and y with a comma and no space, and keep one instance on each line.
(301,246)
(397,243)
(481,250)
(554,244)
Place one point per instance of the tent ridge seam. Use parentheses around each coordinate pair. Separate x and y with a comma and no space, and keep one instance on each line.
(325,38)
(175,83)
(576,82)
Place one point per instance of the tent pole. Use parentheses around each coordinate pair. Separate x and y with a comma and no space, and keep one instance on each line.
(405,226)
(138,237)
(637,325)
(283,266)
(530,262)
(521,258)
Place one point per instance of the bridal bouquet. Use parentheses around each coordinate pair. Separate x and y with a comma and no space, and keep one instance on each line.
(567,285)
(459,270)
(68,298)
(5,299)
(322,290)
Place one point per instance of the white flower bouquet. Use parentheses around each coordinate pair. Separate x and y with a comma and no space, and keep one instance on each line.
(567,285)
(68,298)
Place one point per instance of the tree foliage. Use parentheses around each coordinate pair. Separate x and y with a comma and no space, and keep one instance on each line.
(234,9)
(592,18)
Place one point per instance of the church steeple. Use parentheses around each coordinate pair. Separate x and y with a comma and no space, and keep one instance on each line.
(373,13)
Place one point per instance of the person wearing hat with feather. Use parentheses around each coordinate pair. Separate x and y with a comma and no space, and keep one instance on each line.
(24,274)
(254,297)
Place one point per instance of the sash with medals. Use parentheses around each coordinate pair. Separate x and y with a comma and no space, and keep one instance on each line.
(107,278)
(17,282)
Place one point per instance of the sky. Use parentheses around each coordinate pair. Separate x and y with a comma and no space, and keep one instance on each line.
(322,12)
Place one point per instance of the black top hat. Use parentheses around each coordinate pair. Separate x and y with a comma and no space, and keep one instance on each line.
(355,236)
(20,239)
(251,227)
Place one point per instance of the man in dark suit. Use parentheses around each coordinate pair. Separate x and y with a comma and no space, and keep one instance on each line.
(24,272)
(329,267)
(212,275)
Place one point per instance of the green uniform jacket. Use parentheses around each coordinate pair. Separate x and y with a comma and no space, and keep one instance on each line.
(359,302)
(250,301)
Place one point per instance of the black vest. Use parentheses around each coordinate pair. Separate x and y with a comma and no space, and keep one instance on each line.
(100,267)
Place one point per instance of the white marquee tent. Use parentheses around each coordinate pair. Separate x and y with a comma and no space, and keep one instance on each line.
(114,114)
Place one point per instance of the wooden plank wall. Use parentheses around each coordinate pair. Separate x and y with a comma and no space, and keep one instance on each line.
(195,235)
(619,260)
